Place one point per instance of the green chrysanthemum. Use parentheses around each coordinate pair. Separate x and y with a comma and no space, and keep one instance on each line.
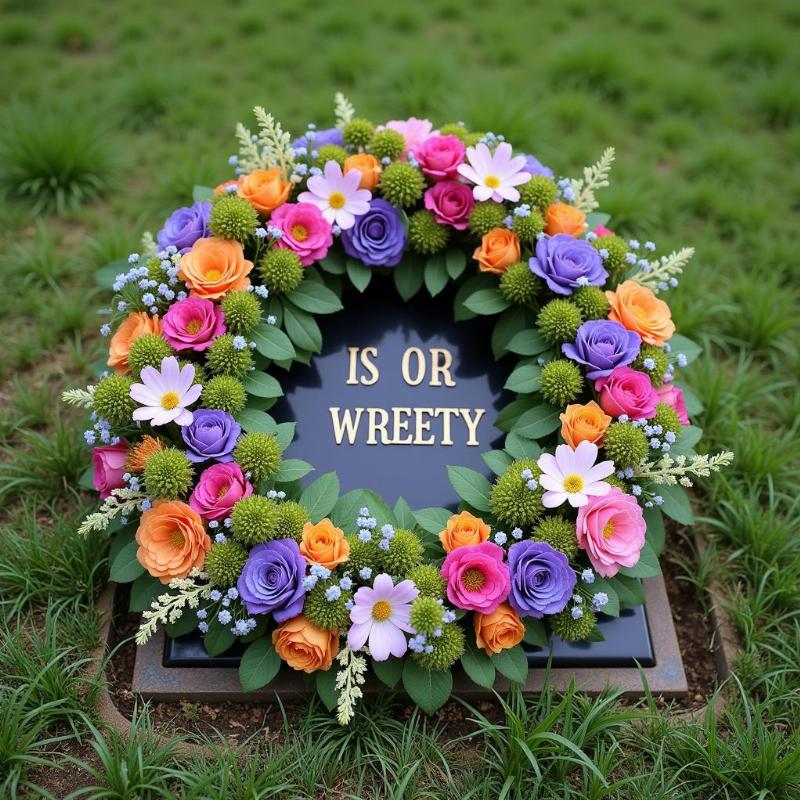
(428,580)
(112,400)
(559,533)
(363,554)
(591,300)
(454,129)
(447,649)
(168,474)
(258,454)
(513,503)
(473,137)
(619,483)
(572,630)
(291,519)
(281,271)
(539,192)
(519,285)
(242,312)
(330,615)
(625,445)
(224,563)
(404,553)
(668,419)
(253,519)
(232,217)
(485,216)
(427,615)
(148,350)
(155,272)
(331,152)
(655,366)
(615,249)
(560,382)
(224,393)
(529,227)
(401,184)
(425,235)
(559,321)
(358,132)
(223,358)
(387,144)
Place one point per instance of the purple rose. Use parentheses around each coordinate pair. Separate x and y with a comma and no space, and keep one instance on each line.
(535,167)
(541,579)
(566,263)
(184,227)
(212,435)
(602,345)
(272,580)
(378,238)
(320,138)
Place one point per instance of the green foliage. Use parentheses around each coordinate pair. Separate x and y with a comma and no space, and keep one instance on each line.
(292,517)
(225,393)
(519,285)
(258,454)
(148,350)
(232,217)
(559,533)
(242,312)
(358,132)
(401,184)
(254,519)
(539,192)
(558,321)
(168,474)
(447,649)
(560,382)
(224,359)
(625,445)
(224,563)
(485,216)
(281,270)
(425,235)
(512,502)
(113,401)
(404,552)
(388,144)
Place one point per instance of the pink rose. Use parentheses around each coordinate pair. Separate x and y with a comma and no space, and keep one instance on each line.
(108,463)
(415,132)
(477,579)
(627,391)
(439,156)
(193,324)
(304,230)
(673,397)
(611,530)
(601,230)
(451,203)
(219,489)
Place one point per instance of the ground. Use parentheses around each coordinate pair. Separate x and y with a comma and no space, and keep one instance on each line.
(133,104)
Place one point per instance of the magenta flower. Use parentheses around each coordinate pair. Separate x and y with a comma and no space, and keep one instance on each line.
(477,579)
(380,616)
(451,203)
(304,230)
(108,464)
(218,490)
(193,324)
(439,156)
(495,174)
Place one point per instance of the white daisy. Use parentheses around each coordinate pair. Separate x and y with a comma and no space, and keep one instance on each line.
(572,475)
(495,174)
(163,395)
(337,195)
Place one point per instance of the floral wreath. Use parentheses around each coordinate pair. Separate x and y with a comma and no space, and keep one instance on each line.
(211,526)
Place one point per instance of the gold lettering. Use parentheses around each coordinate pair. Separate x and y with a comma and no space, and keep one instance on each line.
(472,423)
(422,426)
(345,424)
(375,426)
(441,361)
(363,355)
(446,413)
(420,366)
(351,375)
(400,426)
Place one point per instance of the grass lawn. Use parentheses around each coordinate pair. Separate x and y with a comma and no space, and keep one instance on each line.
(111,112)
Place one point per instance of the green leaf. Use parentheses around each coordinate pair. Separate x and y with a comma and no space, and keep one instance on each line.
(144,590)
(611,609)
(680,344)
(646,567)
(538,422)
(513,663)
(508,325)
(694,405)
(524,379)
(262,385)
(292,469)
(676,503)
(105,276)
(186,623)
(218,638)
(508,417)
(403,514)
(333,263)
(272,342)
(535,632)
(201,194)
(254,421)
(433,520)
(259,665)
(360,274)
(456,262)
(435,274)
(596,218)
(347,507)
(429,689)
(125,567)
(689,436)
(319,498)
(519,447)
(498,461)
(315,298)
(528,343)
(388,672)
(629,590)
(471,486)
(326,687)
(408,277)
(655,529)
(486,302)
(470,286)
(124,537)
(284,433)
(478,665)
(302,329)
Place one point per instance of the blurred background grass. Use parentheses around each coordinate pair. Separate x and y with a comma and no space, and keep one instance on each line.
(111,112)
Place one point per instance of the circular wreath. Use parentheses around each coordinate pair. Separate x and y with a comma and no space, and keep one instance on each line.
(213,528)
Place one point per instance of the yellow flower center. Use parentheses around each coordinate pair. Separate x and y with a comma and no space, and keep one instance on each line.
(492,181)
(573,483)
(213,275)
(608,530)
(193,326)
(336,200)
(223,490)
(177,540)
(381,611)
(169,400)
(473,579)
(299,233)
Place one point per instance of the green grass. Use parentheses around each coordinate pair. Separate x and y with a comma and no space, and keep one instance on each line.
(110,114)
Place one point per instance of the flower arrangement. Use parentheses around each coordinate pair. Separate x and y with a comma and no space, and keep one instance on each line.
(210,523)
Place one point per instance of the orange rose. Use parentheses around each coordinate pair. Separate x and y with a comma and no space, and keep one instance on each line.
(214,267)
(172,540)
(463,529)
(302,645)
(499,249)
(636,308)
(137,324)
(265,189)
(587,423)
(324,544)
(368,166)
(500,630)
(561,218)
